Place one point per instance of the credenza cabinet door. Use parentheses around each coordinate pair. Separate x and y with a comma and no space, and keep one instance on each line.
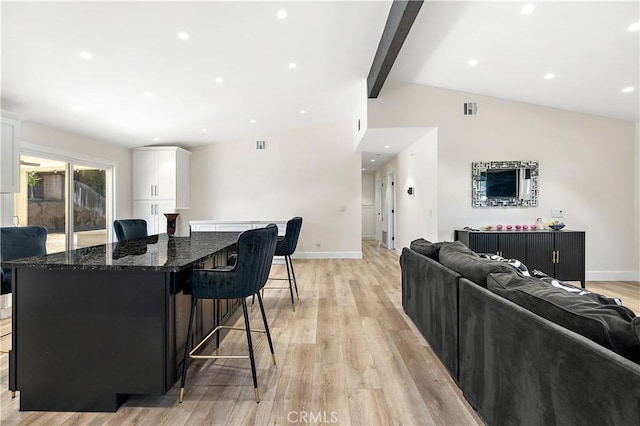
(484,242)
(570,257)
(540,253)
(511,246)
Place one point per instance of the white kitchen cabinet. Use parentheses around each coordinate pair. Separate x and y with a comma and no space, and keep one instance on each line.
(161,173)
(153,212)
(10,156)
(160,184)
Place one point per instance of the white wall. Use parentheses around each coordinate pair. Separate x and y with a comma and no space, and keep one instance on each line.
(417,167)
(84,147)
(587,166)
(311,172)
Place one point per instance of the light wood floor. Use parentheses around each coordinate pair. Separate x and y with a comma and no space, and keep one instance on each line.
(348,355)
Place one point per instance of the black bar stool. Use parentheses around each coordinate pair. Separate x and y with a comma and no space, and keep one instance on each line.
(130,229)
(246,278)
(286,246)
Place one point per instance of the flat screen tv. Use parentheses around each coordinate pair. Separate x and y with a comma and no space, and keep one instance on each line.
(502,183)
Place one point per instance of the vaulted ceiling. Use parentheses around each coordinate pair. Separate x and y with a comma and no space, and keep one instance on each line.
(125,72)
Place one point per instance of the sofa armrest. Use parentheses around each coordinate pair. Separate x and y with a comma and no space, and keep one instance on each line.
(519,368)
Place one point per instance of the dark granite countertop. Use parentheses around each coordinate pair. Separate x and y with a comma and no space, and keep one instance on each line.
(154,253)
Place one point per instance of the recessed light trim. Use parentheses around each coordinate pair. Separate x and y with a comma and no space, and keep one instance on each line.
(628,89)
(219,80)
(156,139)
(86,55)
(635,26)
(183,35)
(76,108)
(204,130)
(373,160)
(282,14)
(292,65)
(473,62)
(303,111)
(147,94)
(549,76)
(252,121)
(387,146)
(527,9)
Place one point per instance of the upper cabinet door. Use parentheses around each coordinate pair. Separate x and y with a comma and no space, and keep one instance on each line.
(166,169)
(10,156)
(144,175)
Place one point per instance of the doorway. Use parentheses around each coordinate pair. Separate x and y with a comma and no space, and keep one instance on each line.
(385,199)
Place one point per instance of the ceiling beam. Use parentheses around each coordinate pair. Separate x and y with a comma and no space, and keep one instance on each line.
(401,18)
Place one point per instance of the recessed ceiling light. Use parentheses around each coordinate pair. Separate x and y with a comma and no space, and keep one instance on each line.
(363,169)
(628,90)
(204,130)
(282,14)
(303,111)
(387,146)
(292,65)
(549,76)
(219,79)
(183,35)
(252,121)
(156,139)
(76,108)
(147,94)
(86,55)
(635,26)
(373,160)
(527,9)
(473,63)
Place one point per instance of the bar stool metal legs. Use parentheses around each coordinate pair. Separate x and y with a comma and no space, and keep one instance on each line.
(192,353)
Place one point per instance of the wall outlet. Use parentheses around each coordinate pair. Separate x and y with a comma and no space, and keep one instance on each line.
(557,213)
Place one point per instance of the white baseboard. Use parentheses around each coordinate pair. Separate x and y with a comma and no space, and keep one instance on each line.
(613,276)
(328,255)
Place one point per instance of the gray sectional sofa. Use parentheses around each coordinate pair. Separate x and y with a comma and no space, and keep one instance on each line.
(514,366)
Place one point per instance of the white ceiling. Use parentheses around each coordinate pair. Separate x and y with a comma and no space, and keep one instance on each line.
(586,45)
(135,50)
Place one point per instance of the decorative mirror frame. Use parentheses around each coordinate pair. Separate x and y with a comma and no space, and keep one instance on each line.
(478,191)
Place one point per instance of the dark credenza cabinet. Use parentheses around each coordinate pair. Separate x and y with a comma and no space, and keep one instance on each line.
(560,254)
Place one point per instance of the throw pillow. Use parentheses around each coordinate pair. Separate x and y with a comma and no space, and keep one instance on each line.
(515,263)
(599,298)
(612,326)
(425,248)
(470,265)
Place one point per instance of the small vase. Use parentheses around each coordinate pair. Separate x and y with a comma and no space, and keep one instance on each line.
(171,223)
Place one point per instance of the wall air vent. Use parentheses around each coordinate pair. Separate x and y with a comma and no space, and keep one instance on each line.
(261,145)
(470,108)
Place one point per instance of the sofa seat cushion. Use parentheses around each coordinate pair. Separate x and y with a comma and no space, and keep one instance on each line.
(610,325)
(426,248)
(469,264)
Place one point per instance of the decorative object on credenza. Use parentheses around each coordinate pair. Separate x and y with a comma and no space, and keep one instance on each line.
(499,227)
(509,227)
(487,228)
(518,227)
(534,227)
(171,223)
(539,223)
(525,227)
(555,225)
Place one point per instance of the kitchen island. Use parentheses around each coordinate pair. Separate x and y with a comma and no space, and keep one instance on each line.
(94,325)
